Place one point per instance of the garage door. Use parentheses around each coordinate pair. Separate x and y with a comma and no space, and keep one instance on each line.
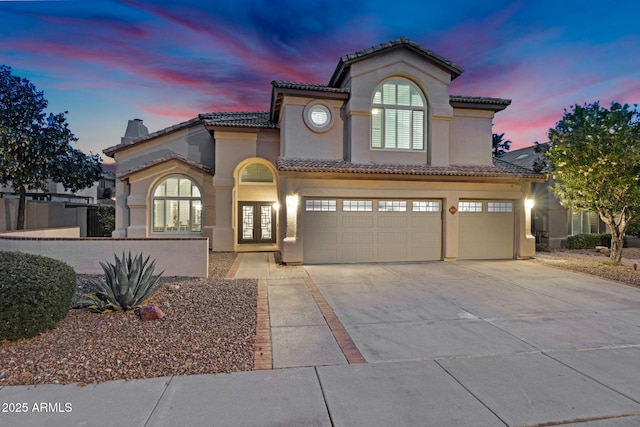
(486,229)
(369,230)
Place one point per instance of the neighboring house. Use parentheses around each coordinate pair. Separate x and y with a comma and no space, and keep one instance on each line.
(55,207)
(101,193)
(380,164)
(552,223)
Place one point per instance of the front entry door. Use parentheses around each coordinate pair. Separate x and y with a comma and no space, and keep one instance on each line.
(256,222)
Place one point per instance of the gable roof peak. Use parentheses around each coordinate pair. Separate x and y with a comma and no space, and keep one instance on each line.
(400,43)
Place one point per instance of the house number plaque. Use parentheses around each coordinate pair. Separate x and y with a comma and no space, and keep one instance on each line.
(453,210)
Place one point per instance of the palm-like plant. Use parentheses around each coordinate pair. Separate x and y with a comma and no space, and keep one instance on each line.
(126,284)
(500,145)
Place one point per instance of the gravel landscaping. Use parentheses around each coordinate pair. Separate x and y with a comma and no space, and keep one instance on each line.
(594,263)
(209,328)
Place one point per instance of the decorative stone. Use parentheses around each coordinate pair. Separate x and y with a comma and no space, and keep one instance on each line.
(149,312)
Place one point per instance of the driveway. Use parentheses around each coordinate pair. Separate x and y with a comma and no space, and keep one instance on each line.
(515,340)
(472,308)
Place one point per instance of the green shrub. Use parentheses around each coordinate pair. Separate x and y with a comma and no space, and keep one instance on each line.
(634,229)
(107,217)
(590,241)
(605,240)
(127,283)
(35,293)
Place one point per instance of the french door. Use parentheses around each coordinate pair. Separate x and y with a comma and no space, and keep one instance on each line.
(256,222)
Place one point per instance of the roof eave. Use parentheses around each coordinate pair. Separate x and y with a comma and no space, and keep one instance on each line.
(278,92)
(111,151)
(351,175)
(490,104)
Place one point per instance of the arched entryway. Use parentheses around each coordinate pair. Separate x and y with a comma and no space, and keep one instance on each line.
(256,206)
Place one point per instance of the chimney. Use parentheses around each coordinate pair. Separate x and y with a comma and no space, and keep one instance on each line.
(135,130)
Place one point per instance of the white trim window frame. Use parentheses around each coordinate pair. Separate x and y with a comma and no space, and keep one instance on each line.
(392,206)
(357,206)
(320,205)
(398,117)
(469,206)
(177,206)
(499,207)
(426,206)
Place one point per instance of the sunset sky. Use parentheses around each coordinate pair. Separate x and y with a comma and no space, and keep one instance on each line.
(106,62)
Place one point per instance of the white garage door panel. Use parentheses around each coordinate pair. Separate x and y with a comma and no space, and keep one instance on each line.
(486,235)
(373,236)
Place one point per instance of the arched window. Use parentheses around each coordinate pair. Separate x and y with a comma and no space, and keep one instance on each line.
(177,206)
(398,116)
(256,172)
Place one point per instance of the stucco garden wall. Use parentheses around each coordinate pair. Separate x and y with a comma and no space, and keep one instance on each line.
(177,257)
(43,214)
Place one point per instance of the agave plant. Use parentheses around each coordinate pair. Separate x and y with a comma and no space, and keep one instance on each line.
(126,284)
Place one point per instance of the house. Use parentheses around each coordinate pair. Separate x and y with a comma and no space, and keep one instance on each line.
(56,207)
(552,223)
(380,164)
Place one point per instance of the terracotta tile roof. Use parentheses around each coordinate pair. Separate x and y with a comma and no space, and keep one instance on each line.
(112,150)
(285,84)
(257,119)
(481,102)
(498,170)
(525,157)
(280,88)
(517,169)
(403,42)
(191,163)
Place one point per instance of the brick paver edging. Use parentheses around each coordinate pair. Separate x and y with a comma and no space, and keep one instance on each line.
(262,359)
(345,342)
(231,274)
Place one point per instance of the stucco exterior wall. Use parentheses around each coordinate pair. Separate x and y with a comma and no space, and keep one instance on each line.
(471,138)
(232,148)
(366,75)
(298,141)
(194,143)
(140,199)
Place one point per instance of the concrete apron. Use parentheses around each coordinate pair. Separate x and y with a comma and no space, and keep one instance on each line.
(301,329)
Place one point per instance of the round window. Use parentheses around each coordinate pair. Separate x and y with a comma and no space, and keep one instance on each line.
(318,116)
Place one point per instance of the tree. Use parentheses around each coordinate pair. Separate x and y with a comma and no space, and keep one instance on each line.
(594,154)
(500,146)
(35,147)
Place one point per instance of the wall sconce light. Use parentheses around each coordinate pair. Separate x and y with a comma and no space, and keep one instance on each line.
(529,203)
(292,202)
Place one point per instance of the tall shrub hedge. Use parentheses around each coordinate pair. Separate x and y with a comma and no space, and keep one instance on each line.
(35,293)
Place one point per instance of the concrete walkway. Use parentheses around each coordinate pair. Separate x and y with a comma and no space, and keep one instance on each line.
(445,344)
